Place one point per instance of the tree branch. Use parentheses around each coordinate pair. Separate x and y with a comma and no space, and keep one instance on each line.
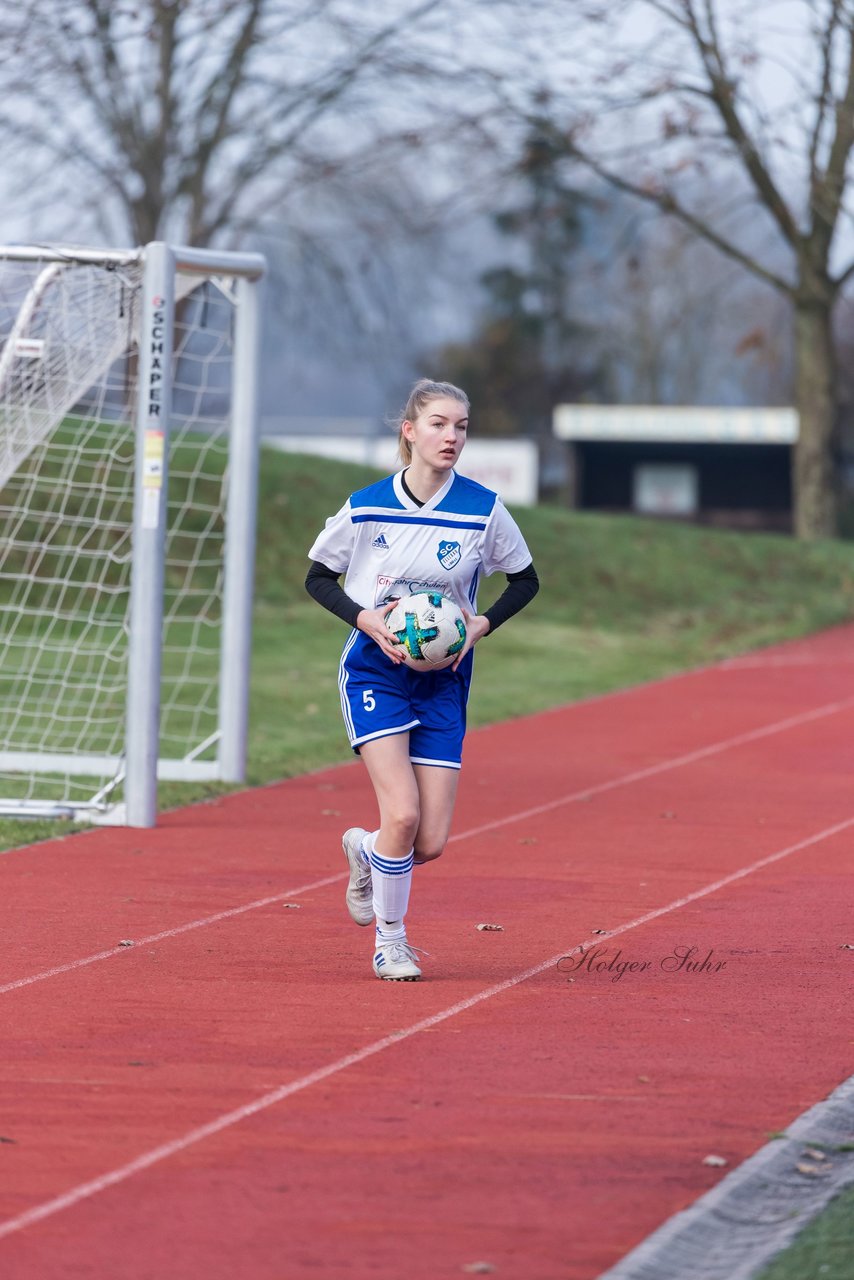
(825,90)
(118,113)
(218,96)
(318,99)
(827,191)
(842,279)
(723,98)
(667,203)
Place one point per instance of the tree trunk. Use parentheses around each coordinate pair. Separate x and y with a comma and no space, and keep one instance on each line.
(813,478)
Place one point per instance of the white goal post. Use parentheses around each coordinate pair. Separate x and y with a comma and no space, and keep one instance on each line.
(128,494)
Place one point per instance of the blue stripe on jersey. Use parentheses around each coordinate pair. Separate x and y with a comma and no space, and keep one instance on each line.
(379,494)
(467,498)
(382,518)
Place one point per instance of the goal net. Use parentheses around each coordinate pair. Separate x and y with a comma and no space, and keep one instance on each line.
(127,486)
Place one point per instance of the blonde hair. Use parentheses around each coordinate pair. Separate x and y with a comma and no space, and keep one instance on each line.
(420,396)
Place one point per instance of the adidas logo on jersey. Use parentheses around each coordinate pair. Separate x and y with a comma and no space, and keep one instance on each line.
(380,544)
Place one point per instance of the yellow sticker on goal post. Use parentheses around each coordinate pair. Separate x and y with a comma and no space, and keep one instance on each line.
(153,450)
(152,460)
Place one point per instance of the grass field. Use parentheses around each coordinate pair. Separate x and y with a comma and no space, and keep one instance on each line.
(622,601)
(823,1251)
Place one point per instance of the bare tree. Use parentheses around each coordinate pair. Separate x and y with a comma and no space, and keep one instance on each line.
(671,321)
(195,119)
(760,97)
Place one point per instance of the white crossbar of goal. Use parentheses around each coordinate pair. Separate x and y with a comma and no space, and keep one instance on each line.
(128,494)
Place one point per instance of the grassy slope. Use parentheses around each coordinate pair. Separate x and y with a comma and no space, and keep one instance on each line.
(623,600)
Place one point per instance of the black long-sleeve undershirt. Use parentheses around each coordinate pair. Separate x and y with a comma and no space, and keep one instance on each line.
(322,585)
(520,590)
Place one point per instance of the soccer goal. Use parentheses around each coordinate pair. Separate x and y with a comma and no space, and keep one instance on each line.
(128,482)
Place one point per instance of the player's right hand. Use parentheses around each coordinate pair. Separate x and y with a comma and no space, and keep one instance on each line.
(372,622)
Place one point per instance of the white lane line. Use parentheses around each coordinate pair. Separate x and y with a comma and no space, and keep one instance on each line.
(676,762)
(626,779)
(170,933)
(106,1180)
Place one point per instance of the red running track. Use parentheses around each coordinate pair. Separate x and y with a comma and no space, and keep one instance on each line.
(236,1096)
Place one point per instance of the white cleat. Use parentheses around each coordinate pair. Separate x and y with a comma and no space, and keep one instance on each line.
(396,961)
(360,890)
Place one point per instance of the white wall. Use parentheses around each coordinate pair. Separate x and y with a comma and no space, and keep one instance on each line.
(508,466)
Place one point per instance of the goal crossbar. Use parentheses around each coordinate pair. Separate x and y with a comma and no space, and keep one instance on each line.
(187,260)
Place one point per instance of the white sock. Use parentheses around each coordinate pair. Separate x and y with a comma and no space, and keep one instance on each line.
(390,931)
(392,878)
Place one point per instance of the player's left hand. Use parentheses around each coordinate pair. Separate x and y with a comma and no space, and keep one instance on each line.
(476,627)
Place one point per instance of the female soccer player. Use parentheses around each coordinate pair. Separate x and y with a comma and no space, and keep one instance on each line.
(424,529)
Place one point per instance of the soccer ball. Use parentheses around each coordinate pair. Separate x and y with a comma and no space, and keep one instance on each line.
(431,629)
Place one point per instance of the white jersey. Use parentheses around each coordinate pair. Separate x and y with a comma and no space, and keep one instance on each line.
(390,547)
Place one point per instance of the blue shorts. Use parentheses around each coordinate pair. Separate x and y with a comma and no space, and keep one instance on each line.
(380,697)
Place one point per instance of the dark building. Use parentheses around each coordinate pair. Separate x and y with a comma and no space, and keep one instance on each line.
(726,467)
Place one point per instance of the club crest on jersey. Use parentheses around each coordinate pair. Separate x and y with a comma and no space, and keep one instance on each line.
(449,554)
(380,544)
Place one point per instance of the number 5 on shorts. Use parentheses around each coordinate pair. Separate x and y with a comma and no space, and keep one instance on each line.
(369,702)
